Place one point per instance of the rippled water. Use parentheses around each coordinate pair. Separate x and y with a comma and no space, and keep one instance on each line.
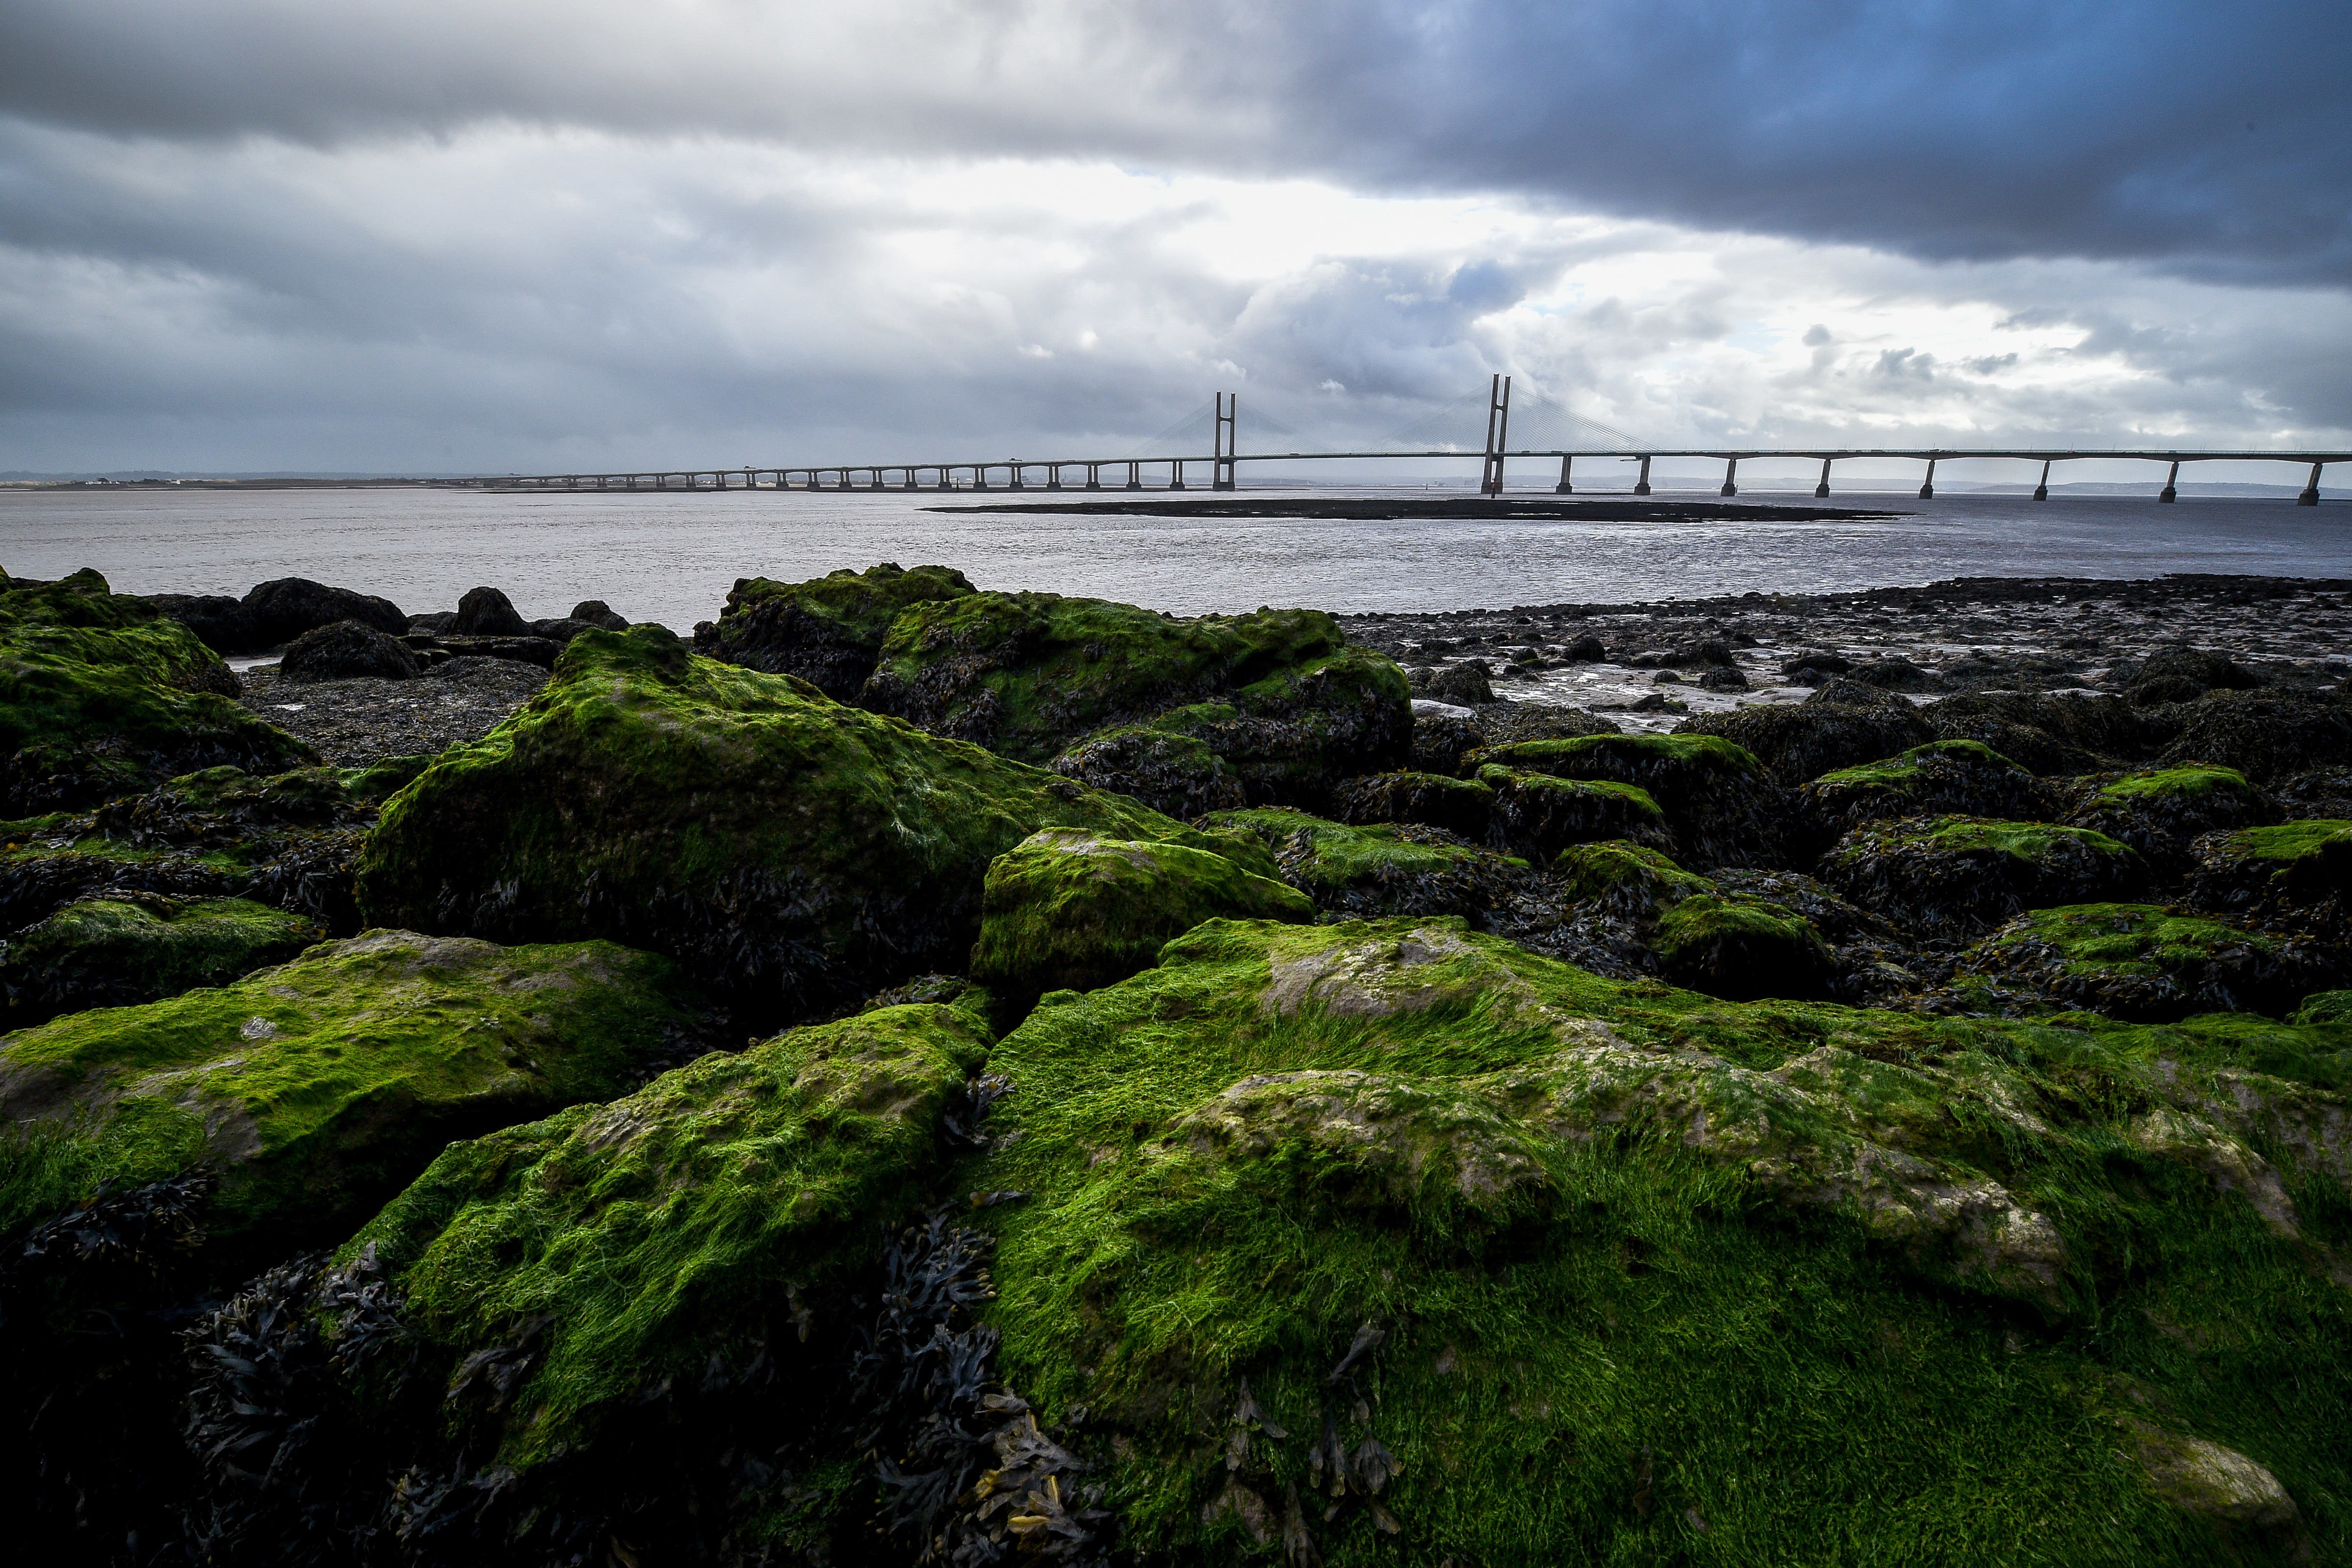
(670,557)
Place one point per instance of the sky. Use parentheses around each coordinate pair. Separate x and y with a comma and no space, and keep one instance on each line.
(493,235)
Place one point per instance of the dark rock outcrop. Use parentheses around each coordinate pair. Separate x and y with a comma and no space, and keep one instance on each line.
(344,650)
(284,609)
(488,612)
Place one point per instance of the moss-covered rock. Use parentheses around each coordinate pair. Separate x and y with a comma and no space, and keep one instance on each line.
(828,631)
(1378,868)
(1956,876)
(1466,807)
(1940,778)
(2053,736)
(1718,803)
(100,694)
(2266,735)
(1741,948)
(1278,694)
(2149,965)
(795,853)
(1538,814)
(114,952)
(2160,812)
(1631,878)
(1842,724)
(2290,873)
(1469,1246)
(1441,734)
(1069,909)
(1178,774)
(2326,1007)
(316,1090)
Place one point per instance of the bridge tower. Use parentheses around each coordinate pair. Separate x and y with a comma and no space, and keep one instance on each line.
(1221,473)
(1498,435)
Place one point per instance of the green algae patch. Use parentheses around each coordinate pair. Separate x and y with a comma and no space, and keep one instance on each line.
(2193,782)
(1068,909)
(381,780)
(2294,874)
(634,1241)
(1176,773)
(2152,964)
(797,853)
(1278,694)
(828,631)
(1375,867)
(316,1090)
(2327,1008)
(1633,878)
(1715,798)
(1553,1269)
(1540,815)
(114,952)
(1944,776)
(2031,842)
(1607,756)
(1466,807)
(101,696)
(1956,876)
(1741,948)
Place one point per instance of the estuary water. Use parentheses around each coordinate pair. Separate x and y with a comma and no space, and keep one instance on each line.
(671,557)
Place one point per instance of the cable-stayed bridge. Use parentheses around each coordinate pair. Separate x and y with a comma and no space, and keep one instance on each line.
(1546,431)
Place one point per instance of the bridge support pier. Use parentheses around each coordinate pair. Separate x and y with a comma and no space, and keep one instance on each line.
(1176,474)
(1134,475)
(1564,487)
(2041,491)
(1731,475)
(1821,490)
(2310,496)
(1019,483)
(2171,490)
(1094,475)
(1641,485)
(1052,476)
(980,476)
(1927,487)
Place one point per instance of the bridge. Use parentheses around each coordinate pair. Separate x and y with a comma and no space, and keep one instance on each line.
(1224,463)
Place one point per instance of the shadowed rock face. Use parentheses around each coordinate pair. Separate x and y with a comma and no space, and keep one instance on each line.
(284,609)
(1960,876)
(488,612)
(344,650)
(828,631)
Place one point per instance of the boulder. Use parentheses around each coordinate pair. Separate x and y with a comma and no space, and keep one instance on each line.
(1538,814)
(1464,806)
(828,631)
(596,613)
(2179,674)
(346,650)
(793,852)
(541,651)
(1378,867)
(1721,808)
(2160,812)
(101,696)
(2267,735)
(1627,878)
(1956,877)
(1278,694)
(222,624)
(284,609)
(2316,791)
(1814,666)
(2152,966)
(1585,649)
(488,612)
(1441,732)
(117,952)
(1943,777)
(2051,736)
(1176,774)
(1068,910)
(563,631)
(2289,875)
(433,623)
(1465,683)
(1841,725)
(1506,722)
(1741,948)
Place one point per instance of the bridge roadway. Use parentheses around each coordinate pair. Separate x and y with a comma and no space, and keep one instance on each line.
(1222,467)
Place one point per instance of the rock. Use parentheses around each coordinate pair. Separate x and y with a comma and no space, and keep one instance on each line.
(1506,722)
(1628,878)
(563,631)
(1941,778)
(1538,815)
(541,651)
(829,631)
(1176,774)
(1895,673)
(1814,666)
(220,623)
(284,609)
(1721,808)
(1381,867)
(1586,650)
(259,1082)
(1462,806)
(1278,695)
(1465,683)
(1741,949)
(344,650)
(2151,965)
(2160,812)
(101,696)
(2050,735)
(117,952)
(2266,735)
(2316,792)
(596,613)
(432,623)
(1956,877)
(795,853)
(2179,674)
(1723,678)
(488,612)
(2240,1501)
(1068,909)
(1841,725)
(2292,875)
(1441,732)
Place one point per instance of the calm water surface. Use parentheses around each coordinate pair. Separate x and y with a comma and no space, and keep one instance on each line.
(670,557)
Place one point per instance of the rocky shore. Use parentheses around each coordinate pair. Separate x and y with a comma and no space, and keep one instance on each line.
(909,1074)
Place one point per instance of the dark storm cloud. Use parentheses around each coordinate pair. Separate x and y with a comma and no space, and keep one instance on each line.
(2208,139)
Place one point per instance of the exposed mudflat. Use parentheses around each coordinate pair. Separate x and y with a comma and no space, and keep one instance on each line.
(356,721)
(1982,634)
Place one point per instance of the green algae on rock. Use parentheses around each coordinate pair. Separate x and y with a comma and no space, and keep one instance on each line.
(1170,773)
(793,852)
(1538,814)
(1842,725)
(1741,949)
(316,1090)
(1278,694)
(2290,873)
(2160,811)
(1396,1183)
(1378,868)
(2266,735)
(1717,802)
(1960,876)
(1069,909)
(1963,777)
(115,953)
(1631,878)
(101,694)
(2149,965)
(1466,807)
(828,631)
